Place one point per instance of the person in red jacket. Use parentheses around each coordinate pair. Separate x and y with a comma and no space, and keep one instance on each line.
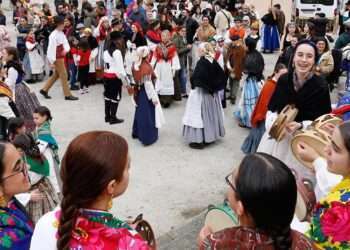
(83,53)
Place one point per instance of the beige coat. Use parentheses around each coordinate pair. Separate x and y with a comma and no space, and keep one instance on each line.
(325,64)
(222,22)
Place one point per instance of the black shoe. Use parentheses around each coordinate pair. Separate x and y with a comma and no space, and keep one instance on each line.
(30,81)
(44,94)
(74,87)
(197,145)
(71,98)
(107,119)
(185,96)
(115,121)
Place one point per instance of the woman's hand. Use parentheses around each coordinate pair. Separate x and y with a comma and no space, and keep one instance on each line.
(155,103)
(292,127)
(329,128)
(306,152)
(203,234)
(36,195)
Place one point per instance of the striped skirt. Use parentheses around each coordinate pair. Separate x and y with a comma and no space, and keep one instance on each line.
(36,209)
(249,97)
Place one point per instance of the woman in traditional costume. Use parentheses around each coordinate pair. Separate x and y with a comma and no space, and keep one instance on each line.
(165,63)
(204,118)
(36,61)
(25,100)
(271,37)
(39,173)
(101,33)
(330,222)
(83,220)
(252,141)
(148,109)
(253,68)
(114,76)
(16,227)
(263,194)
(203,33)
(304,89)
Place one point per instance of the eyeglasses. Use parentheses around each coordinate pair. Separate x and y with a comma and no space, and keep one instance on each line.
(23,169)
(228,179)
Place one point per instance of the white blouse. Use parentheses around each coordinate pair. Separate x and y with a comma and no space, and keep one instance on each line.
(56,38)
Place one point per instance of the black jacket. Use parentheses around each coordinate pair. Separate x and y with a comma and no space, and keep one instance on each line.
(209,76)
(312,100)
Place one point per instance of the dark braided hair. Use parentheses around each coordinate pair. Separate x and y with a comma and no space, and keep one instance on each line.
(95,157)
(268,191)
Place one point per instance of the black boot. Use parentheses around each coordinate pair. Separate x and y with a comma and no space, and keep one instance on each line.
(107,111)
(114,109)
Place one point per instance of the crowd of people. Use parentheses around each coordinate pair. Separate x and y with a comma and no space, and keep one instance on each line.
(207,53)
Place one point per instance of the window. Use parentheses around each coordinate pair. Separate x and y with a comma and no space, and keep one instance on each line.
(324,2)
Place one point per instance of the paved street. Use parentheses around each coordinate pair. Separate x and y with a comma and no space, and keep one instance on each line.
(170,183)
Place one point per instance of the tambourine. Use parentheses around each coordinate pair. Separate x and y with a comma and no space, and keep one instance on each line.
(326,119)
(316,139)
(220,217)
(286,116)
(306,200)
(146,231)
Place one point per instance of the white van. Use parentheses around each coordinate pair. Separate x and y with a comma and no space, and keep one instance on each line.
(304,9)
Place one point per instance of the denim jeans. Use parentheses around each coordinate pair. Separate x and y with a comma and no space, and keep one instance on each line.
(72,74)
(183,80)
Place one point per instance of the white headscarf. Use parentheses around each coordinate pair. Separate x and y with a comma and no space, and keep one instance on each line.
(141,52)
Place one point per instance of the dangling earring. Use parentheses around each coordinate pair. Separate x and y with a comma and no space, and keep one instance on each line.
(2,201)
(110,203)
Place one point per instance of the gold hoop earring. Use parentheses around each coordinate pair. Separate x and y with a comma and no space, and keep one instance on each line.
(2,201)
(110,203)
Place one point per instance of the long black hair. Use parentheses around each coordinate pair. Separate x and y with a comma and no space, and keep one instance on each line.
(268,191)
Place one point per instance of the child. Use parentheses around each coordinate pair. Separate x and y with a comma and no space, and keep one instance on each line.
(39,171)
(71,62)
(42,119)
(84,53)
(36,62)
(15,126)
(253,68)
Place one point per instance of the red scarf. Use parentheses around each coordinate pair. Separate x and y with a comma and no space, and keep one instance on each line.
(160,55)
(30,39)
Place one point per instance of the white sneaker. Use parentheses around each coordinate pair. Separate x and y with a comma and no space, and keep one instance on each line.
(86,90)
(81,91)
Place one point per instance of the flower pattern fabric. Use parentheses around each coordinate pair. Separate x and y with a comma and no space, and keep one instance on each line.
(16,229)
(96,230)
(330,223)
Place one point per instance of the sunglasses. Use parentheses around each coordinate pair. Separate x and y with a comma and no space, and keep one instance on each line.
(23,169)
(229,181)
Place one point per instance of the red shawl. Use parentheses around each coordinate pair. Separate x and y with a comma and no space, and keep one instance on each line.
(30,39)
(158,53)
(139,28)
(260,110)
(154,36)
